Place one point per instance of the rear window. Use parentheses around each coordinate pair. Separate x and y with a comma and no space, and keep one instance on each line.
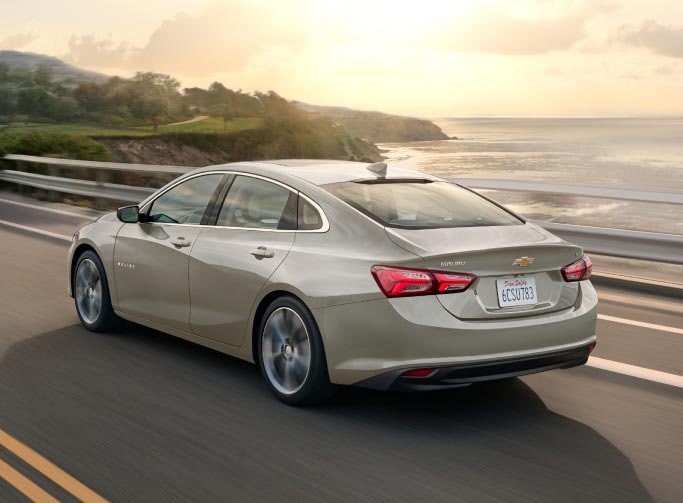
(421,204)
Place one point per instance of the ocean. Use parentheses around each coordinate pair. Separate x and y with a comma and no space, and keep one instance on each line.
(629,152)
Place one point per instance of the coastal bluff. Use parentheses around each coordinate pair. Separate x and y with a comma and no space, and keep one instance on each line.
(378,127)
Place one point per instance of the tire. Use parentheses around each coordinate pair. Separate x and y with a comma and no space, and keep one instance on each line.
(91,294)
(291,355)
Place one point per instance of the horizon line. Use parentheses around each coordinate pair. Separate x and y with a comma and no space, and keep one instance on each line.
(432,117)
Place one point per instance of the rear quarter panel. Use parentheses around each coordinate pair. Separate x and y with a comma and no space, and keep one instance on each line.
(333,267)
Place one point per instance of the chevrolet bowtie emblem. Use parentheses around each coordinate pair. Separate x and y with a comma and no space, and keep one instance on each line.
(523,261)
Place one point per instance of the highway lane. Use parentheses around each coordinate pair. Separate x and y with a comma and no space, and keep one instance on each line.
(142,416)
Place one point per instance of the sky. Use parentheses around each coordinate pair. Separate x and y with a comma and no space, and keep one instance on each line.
(432,58)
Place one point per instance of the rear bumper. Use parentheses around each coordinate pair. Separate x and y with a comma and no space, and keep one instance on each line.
(461,375)
(386,337)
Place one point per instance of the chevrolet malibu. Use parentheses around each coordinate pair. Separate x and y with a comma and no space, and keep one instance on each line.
(330,273)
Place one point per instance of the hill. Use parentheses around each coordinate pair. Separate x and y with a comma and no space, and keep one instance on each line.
(377,127)
(48,106)
(60,70)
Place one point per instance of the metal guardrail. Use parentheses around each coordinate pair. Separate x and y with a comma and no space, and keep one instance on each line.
(603,241)
(81,187)
(118,166)
(575,189)
(650,246)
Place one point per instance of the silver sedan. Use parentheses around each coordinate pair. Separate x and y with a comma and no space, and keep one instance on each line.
(330,273)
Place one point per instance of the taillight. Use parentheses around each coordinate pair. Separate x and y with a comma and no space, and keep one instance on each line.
(401,282)
(579,270)
(452,281)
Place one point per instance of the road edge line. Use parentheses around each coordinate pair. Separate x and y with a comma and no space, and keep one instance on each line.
(642,324)
(42,232)
(635,371)
(51,210)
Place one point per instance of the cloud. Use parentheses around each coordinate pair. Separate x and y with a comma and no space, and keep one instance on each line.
(92,52)
(491,30)
(663,70)
(665,40)
(17,41)
(222,39)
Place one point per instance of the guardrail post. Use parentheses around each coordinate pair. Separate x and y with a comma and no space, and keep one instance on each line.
(52,171)
(20,167)
(101,177)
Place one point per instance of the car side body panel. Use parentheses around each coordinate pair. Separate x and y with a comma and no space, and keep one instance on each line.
(151,274)
(225,279)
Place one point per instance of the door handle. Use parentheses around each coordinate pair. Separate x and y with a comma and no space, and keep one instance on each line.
(262,252)
(181,243)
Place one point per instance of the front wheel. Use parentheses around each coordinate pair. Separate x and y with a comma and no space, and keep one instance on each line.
(91,294)
(291,353)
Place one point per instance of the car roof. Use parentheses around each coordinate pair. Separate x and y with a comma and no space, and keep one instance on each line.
(322,171)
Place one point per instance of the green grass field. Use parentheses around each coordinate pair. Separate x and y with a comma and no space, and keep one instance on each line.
(208,125)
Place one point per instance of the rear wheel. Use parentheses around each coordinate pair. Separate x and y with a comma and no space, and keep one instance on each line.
(91,294)
(291,353)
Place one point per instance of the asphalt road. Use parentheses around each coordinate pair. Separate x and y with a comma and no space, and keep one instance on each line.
(143,416)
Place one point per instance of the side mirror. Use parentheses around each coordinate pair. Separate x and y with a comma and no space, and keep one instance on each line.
(129,214)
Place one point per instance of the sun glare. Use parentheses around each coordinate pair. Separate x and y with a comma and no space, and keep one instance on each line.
(389,20)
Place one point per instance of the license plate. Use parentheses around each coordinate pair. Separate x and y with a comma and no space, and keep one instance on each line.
(516,291)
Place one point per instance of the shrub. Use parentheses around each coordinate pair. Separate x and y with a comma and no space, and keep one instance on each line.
(45,144)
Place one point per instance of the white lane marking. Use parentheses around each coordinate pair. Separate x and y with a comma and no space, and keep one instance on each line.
(641,302)
(641,324)
(36,231)
(45,208)
(634,371)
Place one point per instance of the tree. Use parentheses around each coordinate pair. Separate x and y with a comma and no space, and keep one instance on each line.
(153,93)
(275,106)
(218,93)
(7,106)
(37,102)
(42,76)
(195,97)
(224,111)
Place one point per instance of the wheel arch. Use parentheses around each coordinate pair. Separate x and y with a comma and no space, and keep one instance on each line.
(260,310)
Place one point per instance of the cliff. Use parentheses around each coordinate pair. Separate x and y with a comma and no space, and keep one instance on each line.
(198,149)
(378,127)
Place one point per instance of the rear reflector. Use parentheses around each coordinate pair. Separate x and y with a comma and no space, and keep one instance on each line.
(579,270)
(419,373)
(401,282)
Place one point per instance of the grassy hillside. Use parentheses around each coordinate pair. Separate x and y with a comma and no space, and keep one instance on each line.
(377,126)
(208,125)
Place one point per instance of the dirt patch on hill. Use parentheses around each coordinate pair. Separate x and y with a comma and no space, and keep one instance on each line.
(158,151)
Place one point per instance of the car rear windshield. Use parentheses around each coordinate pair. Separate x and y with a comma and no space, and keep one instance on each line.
(421,204)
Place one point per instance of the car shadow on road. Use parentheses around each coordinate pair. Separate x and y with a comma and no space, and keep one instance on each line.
(143,416)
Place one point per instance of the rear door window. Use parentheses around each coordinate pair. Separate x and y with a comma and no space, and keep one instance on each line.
(421,204)
(254,203)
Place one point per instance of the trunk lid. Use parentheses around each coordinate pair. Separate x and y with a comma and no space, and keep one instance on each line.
(493,253)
